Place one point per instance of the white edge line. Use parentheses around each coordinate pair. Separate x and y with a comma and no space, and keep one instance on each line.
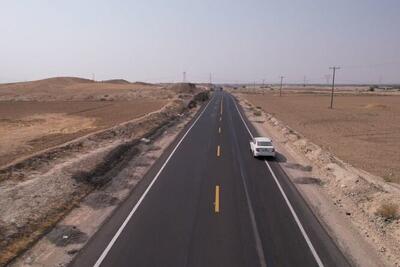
(121,228)
(296,218)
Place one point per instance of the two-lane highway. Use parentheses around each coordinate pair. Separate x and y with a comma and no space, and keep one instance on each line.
(208,202)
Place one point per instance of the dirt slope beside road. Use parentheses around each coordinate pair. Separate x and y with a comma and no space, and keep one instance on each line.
(39,191)
(61,138)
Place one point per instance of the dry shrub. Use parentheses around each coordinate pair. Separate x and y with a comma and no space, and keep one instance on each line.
(257,113)
(388,211)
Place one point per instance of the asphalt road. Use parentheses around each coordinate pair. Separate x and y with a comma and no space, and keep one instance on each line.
(208,202)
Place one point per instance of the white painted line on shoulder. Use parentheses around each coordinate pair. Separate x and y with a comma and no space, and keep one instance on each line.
(296,218)
(121,228)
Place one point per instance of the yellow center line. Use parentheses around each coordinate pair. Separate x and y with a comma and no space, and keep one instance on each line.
(216,206)
(218,151)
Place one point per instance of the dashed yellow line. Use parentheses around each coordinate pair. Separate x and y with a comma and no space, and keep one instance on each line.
(218,151)
(216,204)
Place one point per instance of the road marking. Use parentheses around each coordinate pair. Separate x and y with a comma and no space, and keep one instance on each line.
(218,151)
(216,206)
(220,118)
(221,104)
(296,218)
(219,129)
(121,228)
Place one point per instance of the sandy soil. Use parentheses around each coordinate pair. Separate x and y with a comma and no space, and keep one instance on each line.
(68,89)
(27,127)
(361,130)
(81,134)
(61,245)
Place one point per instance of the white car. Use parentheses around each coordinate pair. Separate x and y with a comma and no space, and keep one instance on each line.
(262,146)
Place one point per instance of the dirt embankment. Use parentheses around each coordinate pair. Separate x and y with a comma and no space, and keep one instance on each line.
(37,191)
(367,203)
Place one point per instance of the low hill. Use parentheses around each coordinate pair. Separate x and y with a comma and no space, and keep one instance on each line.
(117,81)
(77,89)
(50,83)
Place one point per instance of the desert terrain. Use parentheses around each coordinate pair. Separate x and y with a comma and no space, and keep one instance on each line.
(62,138)
(27,127)
(40,114)
(363,129)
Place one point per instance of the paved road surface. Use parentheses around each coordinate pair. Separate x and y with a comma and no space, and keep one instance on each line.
(208,202)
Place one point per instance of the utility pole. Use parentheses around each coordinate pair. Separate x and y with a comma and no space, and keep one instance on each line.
(304,81)
(184,76)
(280,90)
(210,79)
(333,82)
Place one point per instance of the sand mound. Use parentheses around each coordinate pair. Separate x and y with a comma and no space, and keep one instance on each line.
(117,81)
(375,105)
(45,84)
(143,83)
(70,89)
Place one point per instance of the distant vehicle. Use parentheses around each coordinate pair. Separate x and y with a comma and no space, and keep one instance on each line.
(262,146)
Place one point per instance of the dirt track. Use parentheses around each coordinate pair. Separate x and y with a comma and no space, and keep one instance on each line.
(361,130)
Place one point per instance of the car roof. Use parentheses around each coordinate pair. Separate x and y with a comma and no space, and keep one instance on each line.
(265,139)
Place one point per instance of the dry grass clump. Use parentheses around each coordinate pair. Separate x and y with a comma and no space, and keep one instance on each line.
(388,211)
(391,178)
(257,113)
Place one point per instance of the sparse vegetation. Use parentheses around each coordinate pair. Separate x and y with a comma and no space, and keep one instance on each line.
(257,113)
(390,178)
(388,211)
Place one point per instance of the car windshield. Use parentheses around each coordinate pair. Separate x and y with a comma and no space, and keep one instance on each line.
(264,143)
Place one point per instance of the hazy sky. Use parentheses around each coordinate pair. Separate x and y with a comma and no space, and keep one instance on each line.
(237,41)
